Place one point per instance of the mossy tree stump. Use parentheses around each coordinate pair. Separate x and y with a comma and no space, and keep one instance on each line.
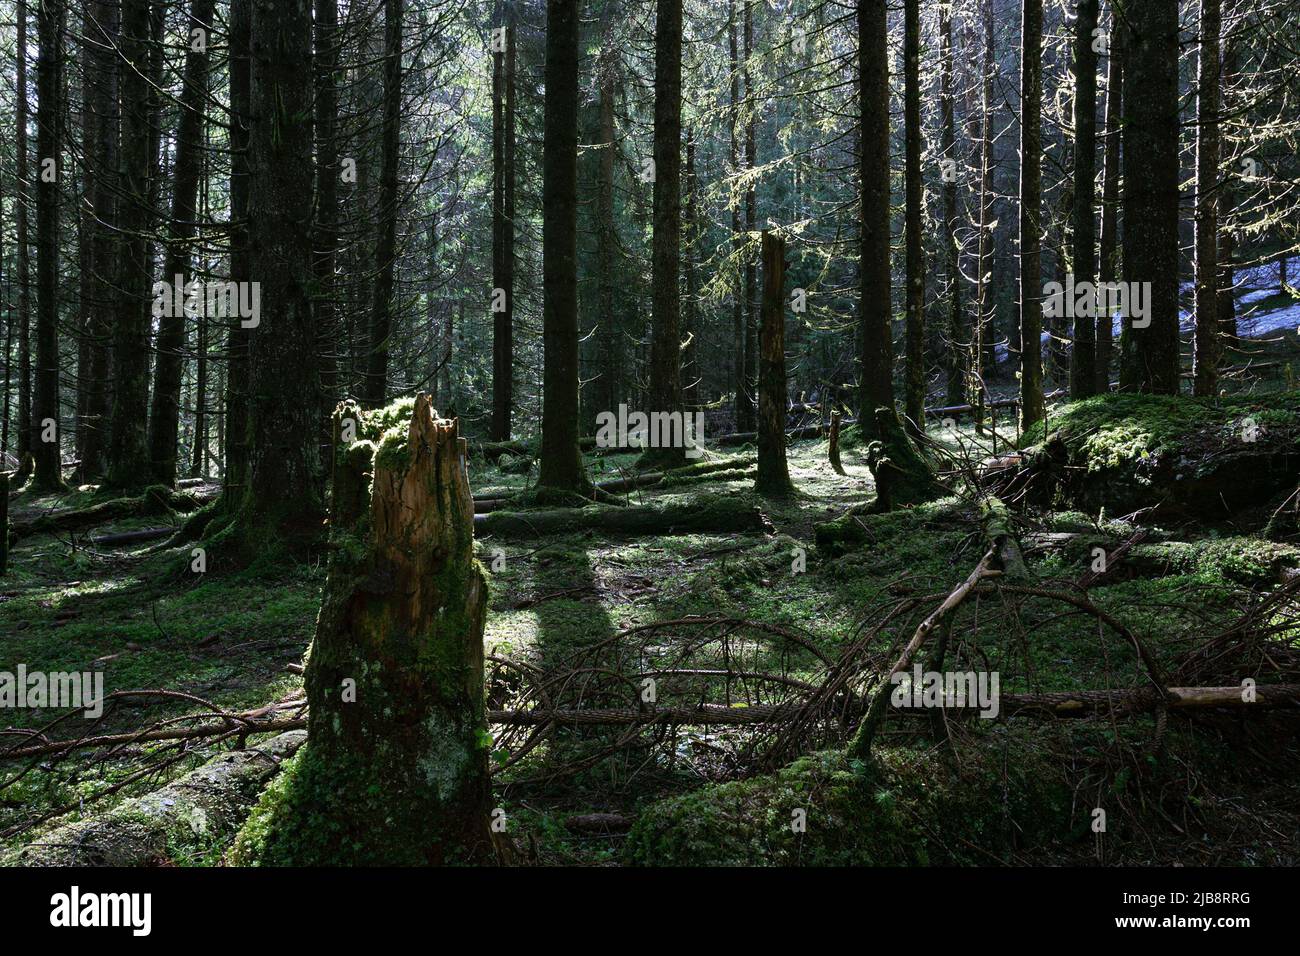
(903,477)
(395,769)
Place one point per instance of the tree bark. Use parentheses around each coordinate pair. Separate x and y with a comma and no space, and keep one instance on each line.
(773,472)
(1031,267)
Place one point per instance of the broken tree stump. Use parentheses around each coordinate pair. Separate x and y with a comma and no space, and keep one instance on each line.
(395,769)
(903,477)
(833,452)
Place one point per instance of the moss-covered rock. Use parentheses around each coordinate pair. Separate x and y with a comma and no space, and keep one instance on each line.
(180,822)
(913,808)
(1193,456)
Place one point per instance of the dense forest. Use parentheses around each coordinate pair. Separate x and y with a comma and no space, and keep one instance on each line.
(649,432)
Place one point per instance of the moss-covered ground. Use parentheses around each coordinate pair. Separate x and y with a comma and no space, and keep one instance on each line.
(1213,791)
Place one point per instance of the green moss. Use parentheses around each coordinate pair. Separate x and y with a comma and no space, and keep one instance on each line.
(392,453)
(915,809)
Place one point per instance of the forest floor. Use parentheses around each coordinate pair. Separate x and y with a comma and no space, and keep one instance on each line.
(1216,789)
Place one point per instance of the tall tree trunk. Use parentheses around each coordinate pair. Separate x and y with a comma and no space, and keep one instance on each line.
(22,195)
(561,460)
(1031,188)
(773,472)
(958,334)
(1109,243)
(128,450)
(1227,309)
(749,368)
(503,292)
(381,320)
(239,338)
(691,314)
(508,236)
(101,105)
(6,307)
(283,496)
(875,302)
(326,231)
(609,385)
(665,344)
(914,387)
(49,137)
(1083,354)
(1150,362)
(85,206)
(1208,344)
(984,267)
(164,421)
(740,398)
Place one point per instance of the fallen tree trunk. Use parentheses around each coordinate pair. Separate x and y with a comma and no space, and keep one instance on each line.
(715,515)
(613,486)
(156,500)
(203,807)
(130,537)
(1001,538)
(791,434)
(950,411)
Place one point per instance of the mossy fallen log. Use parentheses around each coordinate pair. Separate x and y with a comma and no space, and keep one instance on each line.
(862,525)
(185,819)
(155,500)
(706,515)
(1002,538)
